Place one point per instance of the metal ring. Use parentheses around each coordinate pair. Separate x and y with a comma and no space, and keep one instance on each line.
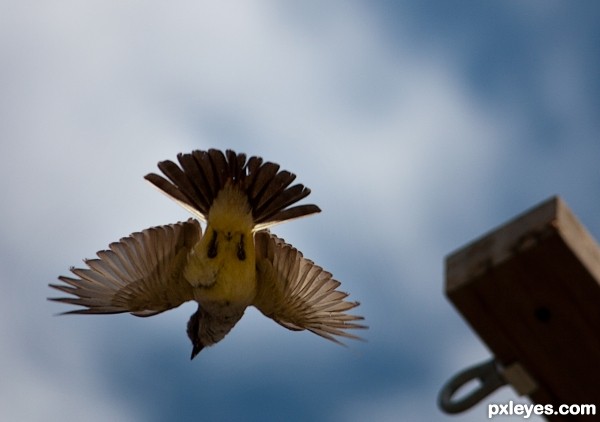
(486,372)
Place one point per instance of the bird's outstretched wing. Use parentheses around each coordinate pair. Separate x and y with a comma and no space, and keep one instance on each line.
(298,294)
(141,274)
(201,175)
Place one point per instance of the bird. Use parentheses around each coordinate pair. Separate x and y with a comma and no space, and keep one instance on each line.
(234,263)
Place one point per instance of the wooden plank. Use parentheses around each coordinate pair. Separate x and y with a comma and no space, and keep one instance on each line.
(531,291)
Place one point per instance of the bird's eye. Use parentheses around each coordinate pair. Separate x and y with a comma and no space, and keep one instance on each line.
(212,246)
(241,251)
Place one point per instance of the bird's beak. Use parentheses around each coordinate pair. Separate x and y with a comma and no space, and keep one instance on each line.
(196,349)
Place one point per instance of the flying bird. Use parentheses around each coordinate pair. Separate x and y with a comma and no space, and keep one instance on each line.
(234,263)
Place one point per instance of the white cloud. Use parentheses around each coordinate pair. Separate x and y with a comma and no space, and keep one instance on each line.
(48,368)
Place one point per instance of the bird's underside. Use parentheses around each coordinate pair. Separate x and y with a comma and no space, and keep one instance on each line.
(235,263)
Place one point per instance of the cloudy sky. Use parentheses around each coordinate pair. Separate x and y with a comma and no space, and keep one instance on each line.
(418,126)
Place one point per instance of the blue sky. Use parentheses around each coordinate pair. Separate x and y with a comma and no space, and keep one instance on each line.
(418,126)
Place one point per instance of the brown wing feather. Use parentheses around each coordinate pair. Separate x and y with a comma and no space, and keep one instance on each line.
(141,274)
(201,175)
(298,294)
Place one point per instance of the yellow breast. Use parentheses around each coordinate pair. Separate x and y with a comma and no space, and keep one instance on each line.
(222,265)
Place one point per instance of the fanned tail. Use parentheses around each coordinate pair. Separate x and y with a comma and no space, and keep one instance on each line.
(201,175)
